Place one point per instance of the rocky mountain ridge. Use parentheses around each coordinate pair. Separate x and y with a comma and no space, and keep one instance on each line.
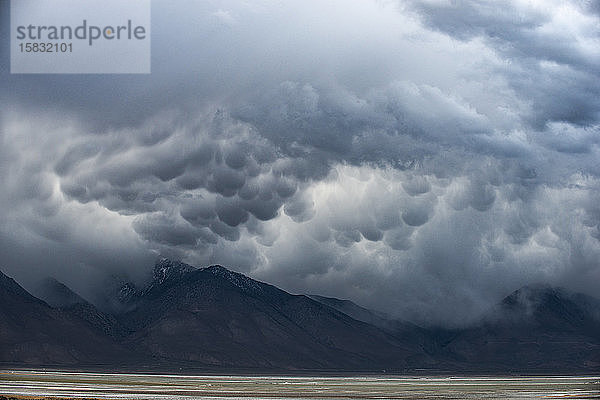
(216,318)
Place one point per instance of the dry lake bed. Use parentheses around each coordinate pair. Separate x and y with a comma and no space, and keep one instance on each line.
(41,384)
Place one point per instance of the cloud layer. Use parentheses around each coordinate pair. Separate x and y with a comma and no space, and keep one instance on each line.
(422,158)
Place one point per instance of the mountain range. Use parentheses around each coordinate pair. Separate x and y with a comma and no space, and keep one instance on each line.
(212,318)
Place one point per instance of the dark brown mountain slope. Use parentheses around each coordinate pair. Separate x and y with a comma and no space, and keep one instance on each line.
(219,317)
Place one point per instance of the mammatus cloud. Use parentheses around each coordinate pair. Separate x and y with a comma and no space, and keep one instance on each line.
(426,167)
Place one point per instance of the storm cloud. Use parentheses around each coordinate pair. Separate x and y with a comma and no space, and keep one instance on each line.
(422,158)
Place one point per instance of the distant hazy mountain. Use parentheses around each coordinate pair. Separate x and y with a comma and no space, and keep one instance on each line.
(61,297)
(212,317)
(536,328)
(406,331)
(32,332)
(56,294)
(355,311)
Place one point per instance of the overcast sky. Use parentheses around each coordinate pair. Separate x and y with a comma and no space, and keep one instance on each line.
(423,158)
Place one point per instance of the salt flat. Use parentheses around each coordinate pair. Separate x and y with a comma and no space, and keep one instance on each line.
(151,386)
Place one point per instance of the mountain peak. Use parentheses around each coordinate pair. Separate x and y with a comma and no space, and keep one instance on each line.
(217,269)
(550,306)
(237,279)
(531,297)
(165,269)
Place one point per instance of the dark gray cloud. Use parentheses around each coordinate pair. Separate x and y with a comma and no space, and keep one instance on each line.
(423,159)
(550,50)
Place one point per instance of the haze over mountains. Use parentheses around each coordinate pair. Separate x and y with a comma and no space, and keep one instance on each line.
(207,318)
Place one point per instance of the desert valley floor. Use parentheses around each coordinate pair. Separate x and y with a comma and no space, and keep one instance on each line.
(52,384)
